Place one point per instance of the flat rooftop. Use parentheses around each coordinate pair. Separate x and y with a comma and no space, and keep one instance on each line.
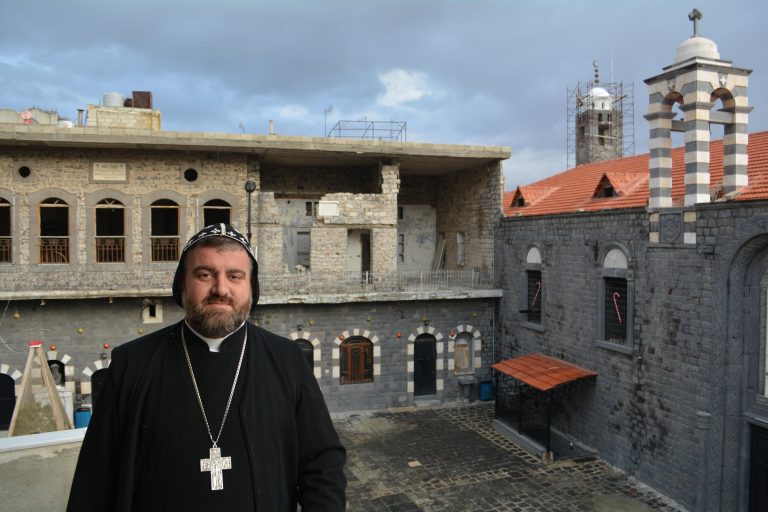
(414,158)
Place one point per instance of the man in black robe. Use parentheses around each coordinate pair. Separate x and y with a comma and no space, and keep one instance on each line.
(213,413)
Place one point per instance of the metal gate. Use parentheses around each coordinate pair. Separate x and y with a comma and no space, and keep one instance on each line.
(425,365)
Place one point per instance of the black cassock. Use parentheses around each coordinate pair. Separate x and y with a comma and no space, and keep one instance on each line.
(143,448)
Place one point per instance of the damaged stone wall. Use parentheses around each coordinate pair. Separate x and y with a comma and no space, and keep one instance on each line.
(469,202)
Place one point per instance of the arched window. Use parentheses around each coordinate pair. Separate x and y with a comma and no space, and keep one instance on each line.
(356,354)
(6,240)
(463,356)
(308,350)
(110,231)
(57,371)
(216,211)
(164,230)
(615,302)
(54,231)
(533,288)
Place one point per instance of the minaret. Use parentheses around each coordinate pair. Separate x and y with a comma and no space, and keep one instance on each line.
(696,80)
(598,125)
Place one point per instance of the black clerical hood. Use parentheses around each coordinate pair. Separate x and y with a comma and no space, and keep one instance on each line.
(224,230)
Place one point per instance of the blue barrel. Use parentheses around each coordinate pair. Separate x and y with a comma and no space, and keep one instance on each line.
(486,390)
(82,418)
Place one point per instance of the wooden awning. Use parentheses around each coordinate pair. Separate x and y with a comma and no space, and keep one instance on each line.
(542,372)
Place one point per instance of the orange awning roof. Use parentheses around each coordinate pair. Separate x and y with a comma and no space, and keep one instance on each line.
(542,372)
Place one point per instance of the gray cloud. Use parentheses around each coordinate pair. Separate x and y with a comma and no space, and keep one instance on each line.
(498,71)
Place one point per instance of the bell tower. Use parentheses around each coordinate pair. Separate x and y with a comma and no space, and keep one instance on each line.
(696,80)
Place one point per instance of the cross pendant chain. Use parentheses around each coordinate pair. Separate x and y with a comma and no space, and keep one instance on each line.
(216,464)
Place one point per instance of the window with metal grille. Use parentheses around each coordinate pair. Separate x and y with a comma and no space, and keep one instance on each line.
(356,360)
(533,307)
(615,309)
(54,231)
(5,231)
(216,211)
(110,231)
(165,230)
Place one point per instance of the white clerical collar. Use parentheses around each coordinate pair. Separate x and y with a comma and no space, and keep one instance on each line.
(214,344)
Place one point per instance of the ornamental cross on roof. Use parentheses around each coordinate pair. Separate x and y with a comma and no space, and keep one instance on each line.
(695,16)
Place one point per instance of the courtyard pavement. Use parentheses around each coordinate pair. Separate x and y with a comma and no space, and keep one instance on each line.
(451,460)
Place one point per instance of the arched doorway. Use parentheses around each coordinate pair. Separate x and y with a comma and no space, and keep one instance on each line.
(7,400)
(97,384)
(425,365)
(308,350)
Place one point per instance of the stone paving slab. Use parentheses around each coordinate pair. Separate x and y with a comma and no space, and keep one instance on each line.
(451,460)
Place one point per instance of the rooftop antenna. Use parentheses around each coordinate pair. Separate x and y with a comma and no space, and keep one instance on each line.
(612,66)
(241,126)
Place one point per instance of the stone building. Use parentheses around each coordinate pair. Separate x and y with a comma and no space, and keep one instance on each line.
(651,271)
(375,256)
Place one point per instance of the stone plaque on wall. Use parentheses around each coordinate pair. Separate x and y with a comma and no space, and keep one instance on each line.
(670,227)
(111,172)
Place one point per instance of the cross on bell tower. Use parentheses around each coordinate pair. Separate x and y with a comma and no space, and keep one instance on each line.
(695,16)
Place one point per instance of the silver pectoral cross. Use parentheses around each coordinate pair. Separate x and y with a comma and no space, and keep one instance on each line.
(216,464)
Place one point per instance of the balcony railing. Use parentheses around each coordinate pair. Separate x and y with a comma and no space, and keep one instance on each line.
(5,249)
(54,249)
(110,249)
(309,283)
(165,249)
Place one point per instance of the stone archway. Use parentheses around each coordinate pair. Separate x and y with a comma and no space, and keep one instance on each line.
(69,368)
(439,362)
(363,333)
(316,352)
(86,384)
(10,380)
(474,351)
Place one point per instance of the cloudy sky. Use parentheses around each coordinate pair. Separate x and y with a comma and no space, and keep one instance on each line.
(487,72)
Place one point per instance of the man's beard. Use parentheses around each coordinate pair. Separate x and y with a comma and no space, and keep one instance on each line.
(215,323)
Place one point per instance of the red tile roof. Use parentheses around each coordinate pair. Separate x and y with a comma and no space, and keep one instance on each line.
(573,190)
(542,372)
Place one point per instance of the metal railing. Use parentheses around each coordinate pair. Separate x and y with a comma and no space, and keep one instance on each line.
(165,249)
(110,249)
(5,249)
(371,130)
(54,249)
(309,283)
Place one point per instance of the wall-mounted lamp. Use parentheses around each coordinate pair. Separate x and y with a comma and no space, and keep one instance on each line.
(341,337)
(452,334)
(250,186)
(299,327)
(52,347)
(80,330)
(16,314)
(110,300)
(311,322)
(425,320)
(140,330)
(398,334)
(42,302)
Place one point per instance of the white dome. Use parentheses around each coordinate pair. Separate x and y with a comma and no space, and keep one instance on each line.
(696,46)
(599,99)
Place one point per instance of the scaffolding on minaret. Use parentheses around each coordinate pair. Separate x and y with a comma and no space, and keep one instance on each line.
(600,121)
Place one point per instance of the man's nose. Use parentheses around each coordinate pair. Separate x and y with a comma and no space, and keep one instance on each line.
(220,286)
